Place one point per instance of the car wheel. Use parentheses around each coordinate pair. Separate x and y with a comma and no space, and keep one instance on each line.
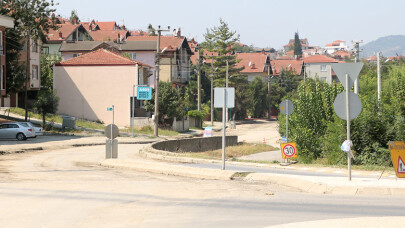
(20,137)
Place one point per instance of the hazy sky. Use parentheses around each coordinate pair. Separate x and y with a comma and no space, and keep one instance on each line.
(263,23)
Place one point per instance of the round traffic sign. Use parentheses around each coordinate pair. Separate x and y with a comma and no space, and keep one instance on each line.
(111,133)
(289,150)
(283,107)
(339,105)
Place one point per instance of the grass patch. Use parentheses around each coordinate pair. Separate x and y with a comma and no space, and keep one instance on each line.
(232,152)
(147,130)
(53,118)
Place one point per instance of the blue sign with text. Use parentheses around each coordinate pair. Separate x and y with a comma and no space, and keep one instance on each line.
(144,93)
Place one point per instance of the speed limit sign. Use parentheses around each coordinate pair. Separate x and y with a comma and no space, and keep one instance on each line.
(288,150)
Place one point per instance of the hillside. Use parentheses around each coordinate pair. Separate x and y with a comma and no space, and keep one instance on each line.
(388,45)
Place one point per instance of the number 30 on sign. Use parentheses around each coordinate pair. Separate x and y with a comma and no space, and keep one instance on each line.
(288,150)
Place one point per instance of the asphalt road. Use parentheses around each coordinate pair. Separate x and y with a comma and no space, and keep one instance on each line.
(65,189)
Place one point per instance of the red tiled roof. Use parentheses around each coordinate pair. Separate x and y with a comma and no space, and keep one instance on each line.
(294,65)
(100,57)
(106,25)
(172,43)
(65,29)
(319,59)
(253,62)
(101,35)
(372,58)
(341,53)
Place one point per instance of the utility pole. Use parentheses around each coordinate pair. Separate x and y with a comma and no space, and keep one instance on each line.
(269,90)
(212,91)
(199,81)
(378,79)
(157,80)
(27,75)
(226,86)
(356,46)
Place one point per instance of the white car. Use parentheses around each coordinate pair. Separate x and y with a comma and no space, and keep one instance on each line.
(19,131)
(38,130)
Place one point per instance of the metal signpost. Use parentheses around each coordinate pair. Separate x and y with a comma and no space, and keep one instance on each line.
(347,104)
(224,98)
(143,92)
(287,108)
(111,131)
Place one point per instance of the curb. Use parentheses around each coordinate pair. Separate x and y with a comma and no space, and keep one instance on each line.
(168,169)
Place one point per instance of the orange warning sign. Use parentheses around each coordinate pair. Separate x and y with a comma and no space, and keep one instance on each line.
(288,150)
(397,150)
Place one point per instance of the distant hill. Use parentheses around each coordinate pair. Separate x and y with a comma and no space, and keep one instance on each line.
(388,45)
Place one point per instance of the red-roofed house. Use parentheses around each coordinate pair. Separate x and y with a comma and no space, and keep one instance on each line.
(341,55)
(88,84)
(107,25)
(295,66)
(319,66)
(66,32)
(109,35)
(175,59)
(255,65)
(335,46)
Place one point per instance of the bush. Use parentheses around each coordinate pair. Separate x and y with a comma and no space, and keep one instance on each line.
(197,114)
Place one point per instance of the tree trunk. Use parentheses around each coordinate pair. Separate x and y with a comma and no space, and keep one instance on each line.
(43,120)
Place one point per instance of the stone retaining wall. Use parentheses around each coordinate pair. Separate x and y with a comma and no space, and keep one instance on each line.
(195,144)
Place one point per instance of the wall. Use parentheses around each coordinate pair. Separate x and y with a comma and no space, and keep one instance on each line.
(86,92)
(313,70)
(195,144)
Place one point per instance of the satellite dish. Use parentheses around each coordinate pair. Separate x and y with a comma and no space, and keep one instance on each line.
(164,49)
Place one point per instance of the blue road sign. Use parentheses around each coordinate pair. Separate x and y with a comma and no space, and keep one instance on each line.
(144,93)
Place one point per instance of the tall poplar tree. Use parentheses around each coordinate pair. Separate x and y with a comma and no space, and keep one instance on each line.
(297,45)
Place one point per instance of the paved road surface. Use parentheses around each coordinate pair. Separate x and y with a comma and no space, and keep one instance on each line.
(52,189)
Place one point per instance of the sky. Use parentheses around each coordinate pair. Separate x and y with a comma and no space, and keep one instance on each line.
(262,23)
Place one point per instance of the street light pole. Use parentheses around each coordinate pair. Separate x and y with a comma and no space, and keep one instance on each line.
(199,81)
(156,133)
(212,91)
(269,90)
(226,86)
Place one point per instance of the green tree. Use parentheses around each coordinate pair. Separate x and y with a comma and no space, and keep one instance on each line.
(74,18)
(15,70)
(47,63)
(151,30)
(170,104)
(47,102)
(297,45)
(221,40)
(258,97)
(244,48)
(32,20)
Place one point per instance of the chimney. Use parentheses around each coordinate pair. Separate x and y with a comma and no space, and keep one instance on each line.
(60,35)
(263,52)
(75,21)
(123,27)
(119,38)
(253,65)
(90,27)
(178,32)
(93,22)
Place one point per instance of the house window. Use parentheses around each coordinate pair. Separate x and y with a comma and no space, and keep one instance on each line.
(34,46)
(45,50)
(323,67)
(132,55)
(138,104)
(75,55)
(34,72)
(323,78)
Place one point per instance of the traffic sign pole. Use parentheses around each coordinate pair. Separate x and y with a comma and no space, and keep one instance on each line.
(223,130)
(133,109)
(349,160)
